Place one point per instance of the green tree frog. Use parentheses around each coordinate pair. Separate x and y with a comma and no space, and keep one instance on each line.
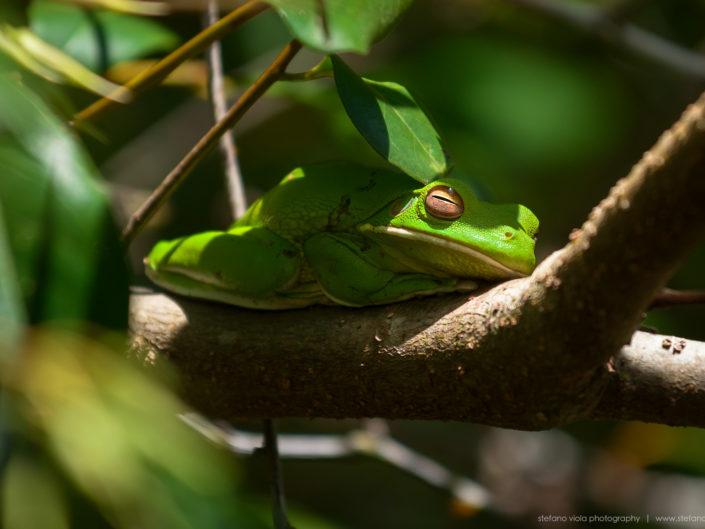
(344,234)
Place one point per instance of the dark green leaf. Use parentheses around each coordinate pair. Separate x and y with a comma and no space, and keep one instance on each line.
(98,38)
(334,26)
(393,123)
(67,257)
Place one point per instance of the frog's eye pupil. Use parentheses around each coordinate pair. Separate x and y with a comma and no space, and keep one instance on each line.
(444,203)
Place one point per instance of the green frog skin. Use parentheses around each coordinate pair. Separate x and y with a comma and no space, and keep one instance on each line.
(350,235)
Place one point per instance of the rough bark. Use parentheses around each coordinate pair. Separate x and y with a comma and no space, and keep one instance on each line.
(413,360)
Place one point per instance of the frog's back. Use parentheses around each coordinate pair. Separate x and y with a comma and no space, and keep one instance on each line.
(325,197)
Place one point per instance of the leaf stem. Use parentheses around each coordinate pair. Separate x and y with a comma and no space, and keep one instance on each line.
(321,70)
(168,64)
(207,142)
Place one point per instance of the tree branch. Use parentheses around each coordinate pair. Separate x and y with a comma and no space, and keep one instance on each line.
(530,353)
(672,298)
(656,379)
(396,362)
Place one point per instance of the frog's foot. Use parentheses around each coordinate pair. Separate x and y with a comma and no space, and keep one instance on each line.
(466,285)
(245,266)
(408,286)
(355,271)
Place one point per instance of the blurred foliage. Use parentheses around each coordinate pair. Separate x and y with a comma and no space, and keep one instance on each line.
(530,111)
(98,38)
(115,435)
(57,217)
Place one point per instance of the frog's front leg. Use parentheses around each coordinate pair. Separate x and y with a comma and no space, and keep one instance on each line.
(245,266)
(353,270)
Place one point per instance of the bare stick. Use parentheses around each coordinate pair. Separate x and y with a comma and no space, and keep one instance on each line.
(233,176)
(371,440)
(207,142)
(630,37)
(281,521)
(671,298)
(168,64)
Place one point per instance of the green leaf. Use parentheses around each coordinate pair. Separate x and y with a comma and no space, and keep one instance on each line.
(98,38)
(68,261)
(26,484)
(393,123)
(12,314)
(334,26)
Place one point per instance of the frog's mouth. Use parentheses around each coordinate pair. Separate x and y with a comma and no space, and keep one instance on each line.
(451,257)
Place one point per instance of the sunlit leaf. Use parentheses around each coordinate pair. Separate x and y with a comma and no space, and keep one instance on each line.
(14,50)
(334,26)
(67,257)
(137,7)
(47,61)
(392,122)
(98,38)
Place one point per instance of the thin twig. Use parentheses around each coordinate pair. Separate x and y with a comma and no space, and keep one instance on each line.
(207,142)
(164,67)
(377,442)
(526,469)
(233,176)
(618,11)
(599,22)
(281,521)
(671,298)
(371,440)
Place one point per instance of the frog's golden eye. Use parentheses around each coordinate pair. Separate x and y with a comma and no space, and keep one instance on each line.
(444,202)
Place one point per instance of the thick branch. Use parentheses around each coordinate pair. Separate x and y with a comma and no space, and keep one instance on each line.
(397,362)
(656,379)
(585,301)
